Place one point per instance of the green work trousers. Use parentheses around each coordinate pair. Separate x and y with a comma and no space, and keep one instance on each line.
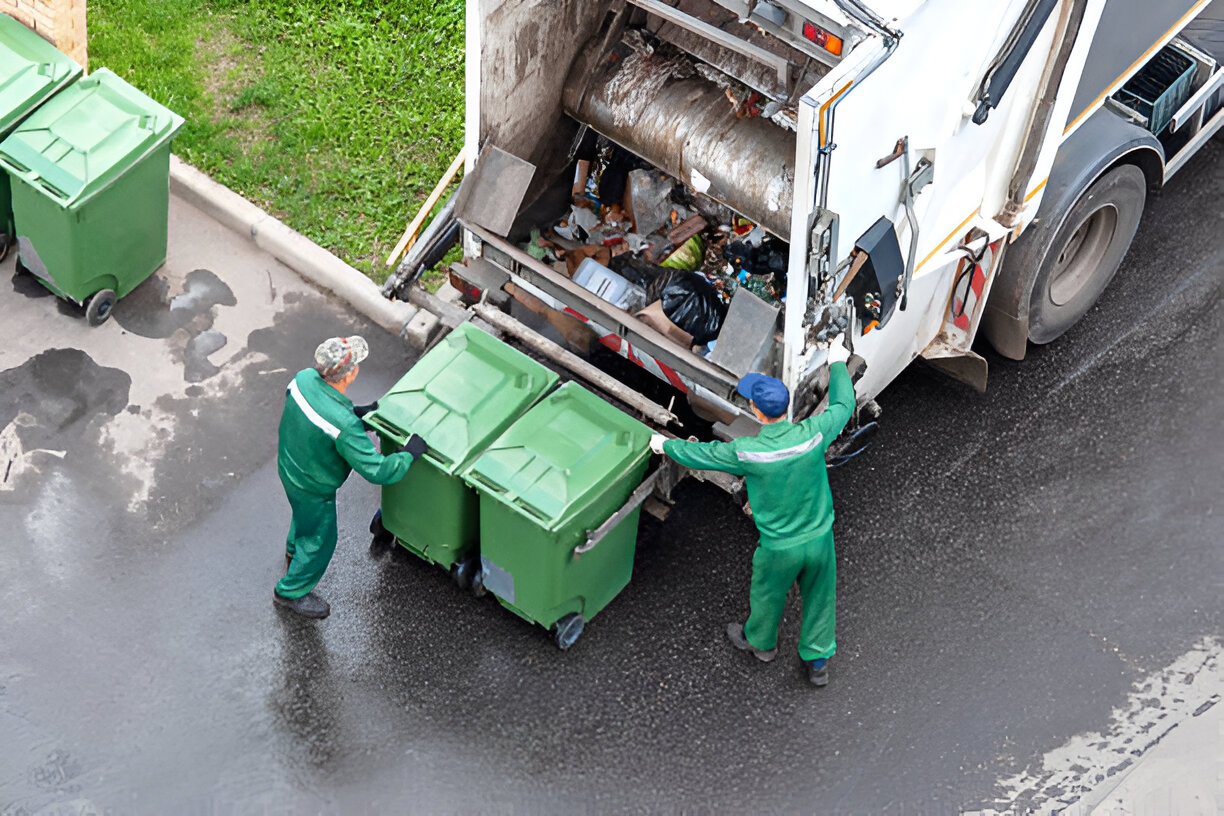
(774,570)
(311,542)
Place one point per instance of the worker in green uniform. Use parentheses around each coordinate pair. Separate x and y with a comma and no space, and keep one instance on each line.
(322,440)
(788,492)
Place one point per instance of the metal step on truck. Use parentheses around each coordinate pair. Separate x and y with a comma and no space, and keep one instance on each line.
(696,189)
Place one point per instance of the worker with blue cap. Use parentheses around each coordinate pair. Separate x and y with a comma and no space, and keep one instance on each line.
(322,440)
(783,467)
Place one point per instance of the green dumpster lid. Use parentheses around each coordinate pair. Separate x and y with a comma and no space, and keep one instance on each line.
(31,69)
(461,395)
(86,136)
(561,456)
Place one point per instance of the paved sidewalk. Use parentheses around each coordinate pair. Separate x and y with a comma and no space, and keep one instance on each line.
(1183,775)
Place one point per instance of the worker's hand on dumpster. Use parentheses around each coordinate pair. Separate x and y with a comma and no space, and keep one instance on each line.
(838,353)
(415,446)
(656,442)
(362,410)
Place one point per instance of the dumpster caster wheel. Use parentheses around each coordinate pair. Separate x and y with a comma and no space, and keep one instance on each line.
(382,539)
(6,241)
(99,307)
(567,630)
(478,587)
(464,572)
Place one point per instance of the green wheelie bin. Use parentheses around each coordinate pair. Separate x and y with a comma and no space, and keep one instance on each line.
(91,190)
(32,70)
(557,474)
(459,397)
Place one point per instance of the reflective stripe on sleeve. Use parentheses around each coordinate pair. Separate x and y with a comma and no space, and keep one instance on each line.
(311,414)
(778,455)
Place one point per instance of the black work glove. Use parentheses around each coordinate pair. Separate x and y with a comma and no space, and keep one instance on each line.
(362,410)
(415,446)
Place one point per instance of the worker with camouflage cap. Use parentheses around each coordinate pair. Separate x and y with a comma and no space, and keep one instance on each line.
(322,440)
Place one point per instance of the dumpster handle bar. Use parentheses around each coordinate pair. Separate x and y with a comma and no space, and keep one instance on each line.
(634,501)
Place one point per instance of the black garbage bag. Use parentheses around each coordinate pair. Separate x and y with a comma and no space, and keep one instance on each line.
(692,303)
(651,277)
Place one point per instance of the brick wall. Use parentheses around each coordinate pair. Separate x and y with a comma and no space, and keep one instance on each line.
(61,22)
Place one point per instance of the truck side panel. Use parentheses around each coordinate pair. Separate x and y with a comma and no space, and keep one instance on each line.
(1128,30)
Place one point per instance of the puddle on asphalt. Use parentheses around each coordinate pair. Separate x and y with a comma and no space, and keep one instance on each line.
(48,405)
(149,311)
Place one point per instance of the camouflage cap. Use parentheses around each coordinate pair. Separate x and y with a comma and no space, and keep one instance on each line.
(337,356)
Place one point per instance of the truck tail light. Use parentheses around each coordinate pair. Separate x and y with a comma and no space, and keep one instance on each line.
(823,38)
(469,290)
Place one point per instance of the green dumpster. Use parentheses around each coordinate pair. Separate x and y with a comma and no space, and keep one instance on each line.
(459,397)
(558,473)
(31,71)
(91,190)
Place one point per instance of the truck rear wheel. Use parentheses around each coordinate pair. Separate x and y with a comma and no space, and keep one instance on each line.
(1085,252)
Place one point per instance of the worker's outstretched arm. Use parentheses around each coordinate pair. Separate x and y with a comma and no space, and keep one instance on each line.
(358,451)
(833,418)
(704,455)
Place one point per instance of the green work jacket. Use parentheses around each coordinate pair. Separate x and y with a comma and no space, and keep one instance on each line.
(322,440)
(783,467)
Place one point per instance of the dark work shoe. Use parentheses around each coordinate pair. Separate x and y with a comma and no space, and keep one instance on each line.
(735,634)
(818,671)
(310,604)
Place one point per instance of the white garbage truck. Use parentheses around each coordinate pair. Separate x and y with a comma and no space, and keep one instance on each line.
(925,170)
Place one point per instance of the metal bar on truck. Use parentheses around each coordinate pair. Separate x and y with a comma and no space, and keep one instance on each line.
(717,35)
(654,343)
(538,342)
(1195,101)
(1206,132)
(409,237)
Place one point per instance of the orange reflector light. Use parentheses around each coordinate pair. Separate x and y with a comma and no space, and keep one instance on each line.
(823,38)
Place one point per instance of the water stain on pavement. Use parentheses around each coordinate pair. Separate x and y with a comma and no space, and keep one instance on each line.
(28,286)
(149,311)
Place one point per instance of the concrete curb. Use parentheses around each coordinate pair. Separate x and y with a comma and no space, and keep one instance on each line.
(299,253)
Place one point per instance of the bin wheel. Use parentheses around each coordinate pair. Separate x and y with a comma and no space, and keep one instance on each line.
(464,571)
(99,307)
(381,538)
(6,241)
(567,630)
(478,587)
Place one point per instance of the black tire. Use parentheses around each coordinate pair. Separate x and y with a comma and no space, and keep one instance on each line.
(478,587)
(567,630)
(6,241)
(381,538)
(464,571)
(98,310)
(1085,252)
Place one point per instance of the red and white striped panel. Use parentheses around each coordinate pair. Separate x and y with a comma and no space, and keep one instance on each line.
(969,288)
(625,349)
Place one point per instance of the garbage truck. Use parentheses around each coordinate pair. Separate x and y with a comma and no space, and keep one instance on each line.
(921,171)
(660,196)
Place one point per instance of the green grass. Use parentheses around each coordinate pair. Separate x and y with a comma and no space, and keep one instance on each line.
(336,116)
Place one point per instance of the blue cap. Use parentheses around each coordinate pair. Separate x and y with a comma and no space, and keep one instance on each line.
(769,394)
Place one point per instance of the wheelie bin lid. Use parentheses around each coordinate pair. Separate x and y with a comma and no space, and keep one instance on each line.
(561,456)
(85,137)
(461,395)
(31,70)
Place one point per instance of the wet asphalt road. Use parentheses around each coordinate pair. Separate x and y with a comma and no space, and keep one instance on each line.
(1009,563)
